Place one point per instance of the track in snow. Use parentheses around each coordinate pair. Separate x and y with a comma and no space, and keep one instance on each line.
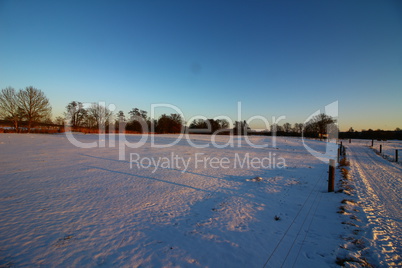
(379,186)
(287,251)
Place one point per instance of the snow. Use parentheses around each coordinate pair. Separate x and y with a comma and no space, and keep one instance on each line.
(388,149)
(378,183)
(61,205)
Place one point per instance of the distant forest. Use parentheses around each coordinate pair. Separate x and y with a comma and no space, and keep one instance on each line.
(28,111)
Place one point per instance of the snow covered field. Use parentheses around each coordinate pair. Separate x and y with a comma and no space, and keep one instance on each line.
(178,206)
(388,149)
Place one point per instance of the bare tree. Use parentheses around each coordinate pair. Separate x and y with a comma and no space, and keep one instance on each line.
(298,128)
(59,120)
(275,128)
(287,127)
(9,108)
(241,128)
(90,121)
(321,124)
(34,105)
(76,113)
(101,115)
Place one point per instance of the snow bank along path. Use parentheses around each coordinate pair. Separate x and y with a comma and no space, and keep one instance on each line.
(379,186)
(65,206)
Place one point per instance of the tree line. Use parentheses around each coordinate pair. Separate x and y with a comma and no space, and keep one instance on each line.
(30,107)
(97,116)
(138,122)
(377,134)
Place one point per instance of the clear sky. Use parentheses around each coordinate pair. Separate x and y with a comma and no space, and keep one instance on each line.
(277,58)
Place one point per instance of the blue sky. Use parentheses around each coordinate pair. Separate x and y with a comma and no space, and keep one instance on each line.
(277,58)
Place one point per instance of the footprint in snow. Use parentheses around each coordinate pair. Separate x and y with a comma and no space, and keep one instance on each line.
(255,179)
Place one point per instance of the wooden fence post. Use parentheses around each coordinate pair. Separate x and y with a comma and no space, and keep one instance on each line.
(380,148)
(396,155)
(372,143)
(339,154)
(331,175)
